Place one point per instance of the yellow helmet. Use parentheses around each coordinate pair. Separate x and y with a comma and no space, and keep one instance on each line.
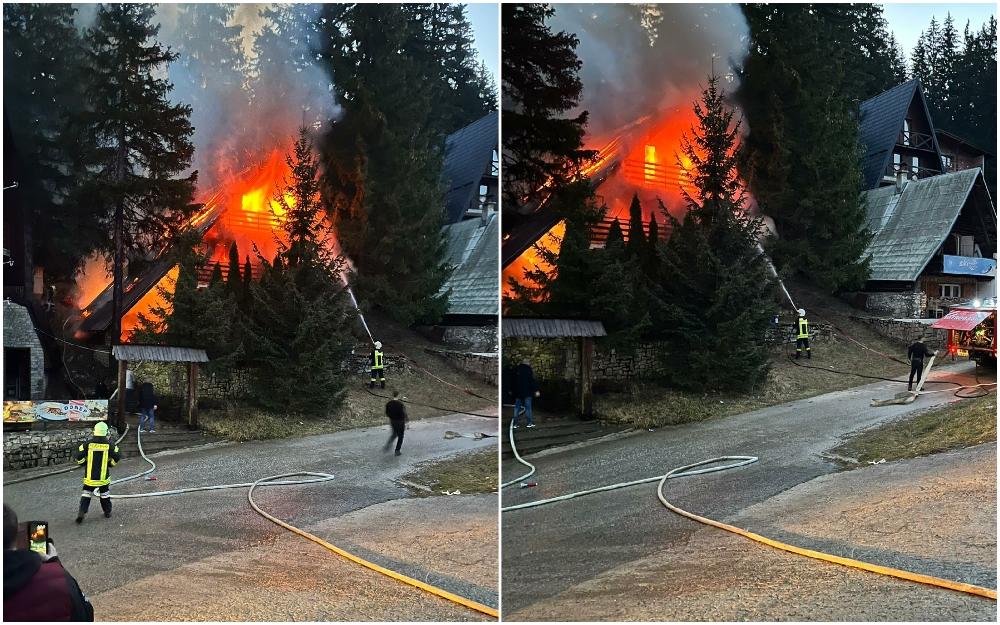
(101,428)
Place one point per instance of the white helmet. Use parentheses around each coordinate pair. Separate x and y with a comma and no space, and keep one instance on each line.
(802,312)
(378,344)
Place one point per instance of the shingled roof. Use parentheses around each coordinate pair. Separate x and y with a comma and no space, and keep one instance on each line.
(473,254)
(468,155)
(910,226)
(880,122)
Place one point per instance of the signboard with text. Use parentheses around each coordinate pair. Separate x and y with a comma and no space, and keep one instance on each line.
(969,266)
(72,410)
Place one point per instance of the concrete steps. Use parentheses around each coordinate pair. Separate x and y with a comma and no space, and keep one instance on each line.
(168,436)
(554,432)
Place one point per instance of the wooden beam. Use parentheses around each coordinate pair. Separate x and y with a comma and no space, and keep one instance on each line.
(586,377)
(192,396)
(120,417)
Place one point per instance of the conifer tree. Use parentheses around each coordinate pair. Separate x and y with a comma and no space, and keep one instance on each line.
(233,277)
(636,234)
(382,162)
(616,238)
(714,298)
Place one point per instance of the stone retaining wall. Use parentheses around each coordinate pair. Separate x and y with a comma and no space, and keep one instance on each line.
(40,448)
(483,366)
(906,331)
(19,333)
(897,305)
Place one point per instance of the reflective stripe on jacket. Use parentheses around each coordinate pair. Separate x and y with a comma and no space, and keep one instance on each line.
(803,328)
(377,360)
(98,454)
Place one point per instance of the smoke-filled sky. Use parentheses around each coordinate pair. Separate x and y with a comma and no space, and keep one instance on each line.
(639,59)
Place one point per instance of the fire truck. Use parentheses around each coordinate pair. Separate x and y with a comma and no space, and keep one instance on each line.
(972,333)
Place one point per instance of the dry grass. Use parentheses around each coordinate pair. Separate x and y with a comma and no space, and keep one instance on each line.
(649,406)
(962,424)
(470,473)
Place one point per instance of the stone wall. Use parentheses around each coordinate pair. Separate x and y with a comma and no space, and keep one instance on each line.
(482,365)
(481,339)
(898,305)
(19,333)
(41,448)
(906,331)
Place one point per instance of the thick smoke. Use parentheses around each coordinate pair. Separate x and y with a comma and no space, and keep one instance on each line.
(643,59)
(240,118)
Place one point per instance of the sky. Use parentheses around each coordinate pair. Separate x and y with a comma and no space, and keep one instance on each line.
(906,20)
(485,18)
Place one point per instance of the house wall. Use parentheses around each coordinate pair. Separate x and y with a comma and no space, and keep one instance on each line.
(19,333)
(904,305)
(930,286)
(906,331)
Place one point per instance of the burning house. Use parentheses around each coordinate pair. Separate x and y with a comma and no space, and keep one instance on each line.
(933,221)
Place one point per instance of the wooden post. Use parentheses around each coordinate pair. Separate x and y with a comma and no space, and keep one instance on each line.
(120,417)
(586,377)
(192,396)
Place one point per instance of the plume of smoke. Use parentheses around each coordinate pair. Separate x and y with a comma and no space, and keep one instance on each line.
(641,59)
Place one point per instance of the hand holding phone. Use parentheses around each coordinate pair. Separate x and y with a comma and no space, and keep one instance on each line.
(34,535)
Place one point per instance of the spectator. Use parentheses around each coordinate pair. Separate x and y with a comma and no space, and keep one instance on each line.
(147,407)
(36,587)
(396,411)
(524,389)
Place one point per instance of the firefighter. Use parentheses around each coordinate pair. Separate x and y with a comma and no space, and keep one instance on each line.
(97,454)
(802,335)
(377,361)
(916,354)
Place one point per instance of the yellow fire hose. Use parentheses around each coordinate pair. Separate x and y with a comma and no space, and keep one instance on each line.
(691,470)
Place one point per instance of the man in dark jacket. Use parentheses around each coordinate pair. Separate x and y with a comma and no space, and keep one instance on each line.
(35,587)
(916,354)
(396,411)
(98,454)
(524,389)
(147,407)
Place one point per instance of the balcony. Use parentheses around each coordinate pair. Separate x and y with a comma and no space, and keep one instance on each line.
(909,172)
(915,140)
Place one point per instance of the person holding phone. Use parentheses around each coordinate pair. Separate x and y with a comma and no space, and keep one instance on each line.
(99,454)
(36,587)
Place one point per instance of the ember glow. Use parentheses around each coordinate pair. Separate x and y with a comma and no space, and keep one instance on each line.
(531,259)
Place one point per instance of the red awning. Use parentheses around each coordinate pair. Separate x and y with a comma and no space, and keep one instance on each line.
(961,320)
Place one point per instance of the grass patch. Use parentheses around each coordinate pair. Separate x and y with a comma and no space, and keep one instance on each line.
(963,424)
(470,473)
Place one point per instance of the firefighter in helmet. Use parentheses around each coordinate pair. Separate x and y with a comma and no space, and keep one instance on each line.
(377,361)
(802,335)
(97,454)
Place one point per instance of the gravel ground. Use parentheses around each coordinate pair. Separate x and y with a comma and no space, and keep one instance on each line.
(935,515)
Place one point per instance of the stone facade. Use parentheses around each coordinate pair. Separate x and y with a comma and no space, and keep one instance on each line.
(41,448)
(19,333)
(483,366)
(480,339)
(906,331)
(906,305)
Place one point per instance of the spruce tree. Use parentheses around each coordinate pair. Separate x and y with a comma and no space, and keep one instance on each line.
(234,283)
(136,143)
(382,162)
(636,234)
(43,57)
(542,146)
(713,299)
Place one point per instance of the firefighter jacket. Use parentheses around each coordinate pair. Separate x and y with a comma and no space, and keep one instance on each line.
(377,360)
(803,328)
(98,454)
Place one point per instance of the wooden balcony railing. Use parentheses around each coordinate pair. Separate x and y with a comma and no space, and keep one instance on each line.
(909,172)
(915,140)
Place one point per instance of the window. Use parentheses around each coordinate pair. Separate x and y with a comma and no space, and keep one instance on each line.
(951,290)
(914,167)
(906,132)
(946,160)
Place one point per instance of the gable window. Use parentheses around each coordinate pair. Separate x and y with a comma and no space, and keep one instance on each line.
(906,132)
(914,167)
(951,290)
(946,161)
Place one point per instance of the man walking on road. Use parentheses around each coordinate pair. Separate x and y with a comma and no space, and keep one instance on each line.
(396,411)
(915,354)
(524,389)
(97,454)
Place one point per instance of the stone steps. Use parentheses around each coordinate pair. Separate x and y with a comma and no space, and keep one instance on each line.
(554,432)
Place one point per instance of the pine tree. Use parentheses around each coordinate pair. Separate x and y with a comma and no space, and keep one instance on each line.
(382,162)
(43,57)
(541,146)
(616,238)
(801,154)
(136,143)
(713,297)
(636,234)
(234,283)
(216,280)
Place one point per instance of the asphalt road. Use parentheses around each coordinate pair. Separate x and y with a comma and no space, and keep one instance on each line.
(550,549)
(166,538)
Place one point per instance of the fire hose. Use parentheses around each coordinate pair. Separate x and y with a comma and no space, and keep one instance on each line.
(280,480)
(692,469)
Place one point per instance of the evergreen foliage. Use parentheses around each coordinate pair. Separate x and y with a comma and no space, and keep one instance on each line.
(713,297)
(382,160)
(541,146)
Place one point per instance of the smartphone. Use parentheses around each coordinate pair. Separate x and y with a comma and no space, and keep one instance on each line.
(38,537)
